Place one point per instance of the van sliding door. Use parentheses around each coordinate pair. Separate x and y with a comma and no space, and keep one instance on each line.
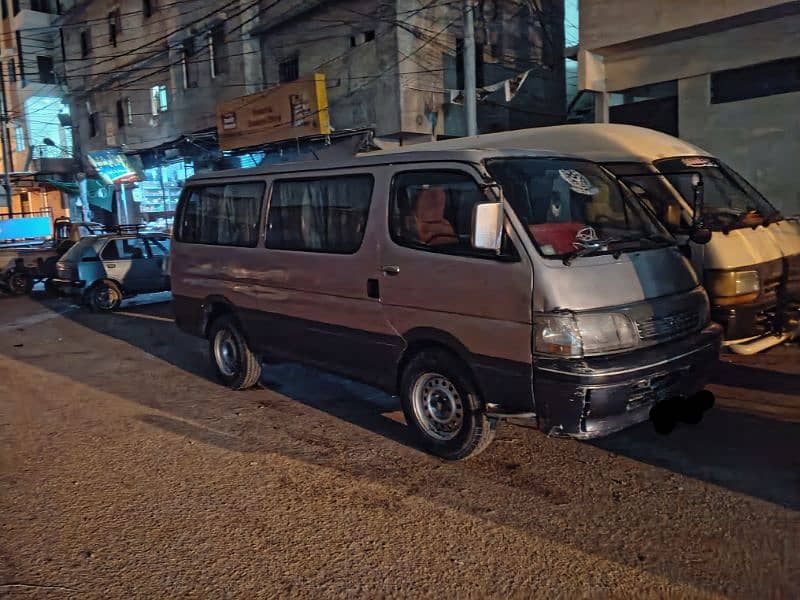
(317,304)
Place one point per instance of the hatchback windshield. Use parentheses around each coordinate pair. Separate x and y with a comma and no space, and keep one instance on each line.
(729,200)
(573,207)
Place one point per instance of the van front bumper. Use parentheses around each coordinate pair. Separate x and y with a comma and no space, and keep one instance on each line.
(596,396)
(747,321)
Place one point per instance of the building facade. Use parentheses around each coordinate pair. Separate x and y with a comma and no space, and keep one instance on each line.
(146,78)
(723,75)
(37,120)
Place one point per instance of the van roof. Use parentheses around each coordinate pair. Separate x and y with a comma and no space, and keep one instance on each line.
(601,142)
(432,152)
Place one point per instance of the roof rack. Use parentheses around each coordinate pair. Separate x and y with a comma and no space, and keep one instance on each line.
(133,228)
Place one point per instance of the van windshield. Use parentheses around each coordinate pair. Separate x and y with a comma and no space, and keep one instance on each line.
(573,207)
(729,200)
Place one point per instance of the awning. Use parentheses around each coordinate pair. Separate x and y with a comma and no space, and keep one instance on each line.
(98,193)
(68,187)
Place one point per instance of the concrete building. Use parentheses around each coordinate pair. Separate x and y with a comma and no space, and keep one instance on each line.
(144,81)
(723,75)
(396,67)
(38,121)
(147,78)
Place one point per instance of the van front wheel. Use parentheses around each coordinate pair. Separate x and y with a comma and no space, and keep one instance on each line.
(236,365)
(442,405)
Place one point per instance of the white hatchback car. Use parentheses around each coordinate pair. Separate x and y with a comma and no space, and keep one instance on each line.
(105,269)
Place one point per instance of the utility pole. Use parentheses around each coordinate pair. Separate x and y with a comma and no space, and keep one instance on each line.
(470,91)
(6,147)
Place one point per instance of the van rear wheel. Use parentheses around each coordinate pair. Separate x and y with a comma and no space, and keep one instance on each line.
(442,405)
(236,365)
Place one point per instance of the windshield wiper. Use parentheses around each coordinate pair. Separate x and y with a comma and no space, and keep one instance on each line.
(653,239)
(588,248)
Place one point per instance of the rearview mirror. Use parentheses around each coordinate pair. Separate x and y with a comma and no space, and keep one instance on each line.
(700,235)
(487,226)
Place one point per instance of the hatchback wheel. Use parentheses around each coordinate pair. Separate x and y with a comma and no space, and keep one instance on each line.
(442,405)
(236,364)
(105,296)
(20,283)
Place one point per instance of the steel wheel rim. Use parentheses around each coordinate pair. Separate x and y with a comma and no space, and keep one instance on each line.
(106,297)
(226,352)
(438,406)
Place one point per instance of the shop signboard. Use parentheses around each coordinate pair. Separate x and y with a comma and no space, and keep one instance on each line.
(285,112)
(113,166)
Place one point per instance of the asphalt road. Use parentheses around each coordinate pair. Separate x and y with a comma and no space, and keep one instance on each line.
(127,471)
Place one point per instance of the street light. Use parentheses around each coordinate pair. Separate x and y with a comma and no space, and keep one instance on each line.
(49,142)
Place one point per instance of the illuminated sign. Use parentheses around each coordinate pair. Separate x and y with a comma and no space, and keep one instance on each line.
(113,166)
(285,112)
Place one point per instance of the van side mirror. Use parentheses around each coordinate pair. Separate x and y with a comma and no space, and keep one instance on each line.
(487,226)
(700,235)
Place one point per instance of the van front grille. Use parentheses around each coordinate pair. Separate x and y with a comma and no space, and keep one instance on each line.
(668,326)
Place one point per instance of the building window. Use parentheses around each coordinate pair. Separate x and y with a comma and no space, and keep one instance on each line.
(25,203)
(12,70)
(222,215)
(756,81)
(15,6)
(5,8)
(19,138)
(159,102)
(86,43)
(20,58)
(148,8)
(121,121)
(188,67)
(42,6)
(319,215)
(129,110)
(289,69)
(361,38)
(217,50)
(93,124)
(46,73)
(113,27)
(479,81)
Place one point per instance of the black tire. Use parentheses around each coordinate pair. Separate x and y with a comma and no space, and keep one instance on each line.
(51,290)
(20,283)
(241,369)
(442,373)
(104,296)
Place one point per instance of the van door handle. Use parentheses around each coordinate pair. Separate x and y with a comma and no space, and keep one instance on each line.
(111,266)
(391,269)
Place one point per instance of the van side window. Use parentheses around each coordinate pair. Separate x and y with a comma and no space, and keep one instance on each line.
(224,215)
(326,214)
(433,211)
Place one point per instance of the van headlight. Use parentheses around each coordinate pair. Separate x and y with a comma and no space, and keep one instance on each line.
(575,335)
(732,287)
